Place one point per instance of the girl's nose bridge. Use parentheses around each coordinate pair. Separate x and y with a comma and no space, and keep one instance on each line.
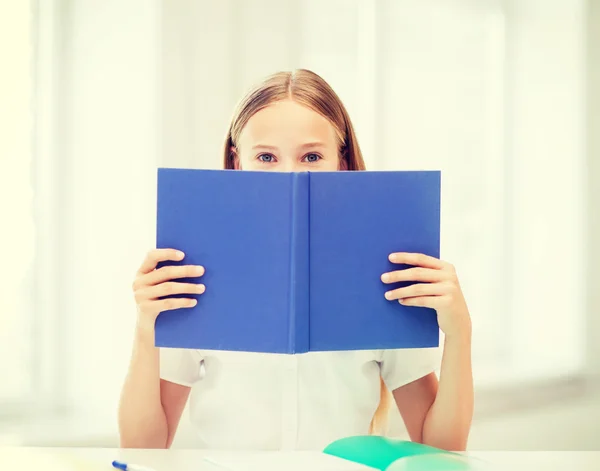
(290,163)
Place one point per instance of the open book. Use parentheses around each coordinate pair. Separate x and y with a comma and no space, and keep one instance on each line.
(388,454)
(294,260)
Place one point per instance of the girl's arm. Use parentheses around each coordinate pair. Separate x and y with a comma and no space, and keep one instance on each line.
(437,414)
(448,421)
(150,408)
(440,414)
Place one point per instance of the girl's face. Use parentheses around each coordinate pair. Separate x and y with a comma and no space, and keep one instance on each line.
(288,137)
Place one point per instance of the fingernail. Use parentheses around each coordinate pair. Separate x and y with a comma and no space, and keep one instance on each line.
(392,257)
(201,288)
(385,277)
(180,254)
(199,270)
(388,295)
(193,302)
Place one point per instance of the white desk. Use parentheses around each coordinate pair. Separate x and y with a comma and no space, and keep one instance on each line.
(99,459)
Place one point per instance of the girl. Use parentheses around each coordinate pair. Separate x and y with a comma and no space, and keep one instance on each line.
(295,122)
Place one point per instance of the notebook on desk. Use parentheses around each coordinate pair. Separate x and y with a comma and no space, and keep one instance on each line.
(293,260)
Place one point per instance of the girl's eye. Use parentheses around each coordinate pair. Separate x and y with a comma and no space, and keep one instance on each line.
(312,157)
(267,158)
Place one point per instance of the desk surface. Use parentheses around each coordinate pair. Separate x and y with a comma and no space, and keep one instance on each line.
(100,459)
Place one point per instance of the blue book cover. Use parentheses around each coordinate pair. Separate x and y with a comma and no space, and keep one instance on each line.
(293,260)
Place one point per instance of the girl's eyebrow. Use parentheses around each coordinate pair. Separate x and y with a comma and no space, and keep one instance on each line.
(308,145)
(263,146)
(312,145)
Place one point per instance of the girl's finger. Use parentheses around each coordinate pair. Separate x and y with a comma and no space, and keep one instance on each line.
(417,290)
(168,273)
(433,302)
(414,274)
(168,289)
(154,257)
(418,260)
(168,304)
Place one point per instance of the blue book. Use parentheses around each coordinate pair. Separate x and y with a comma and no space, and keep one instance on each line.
(294,260)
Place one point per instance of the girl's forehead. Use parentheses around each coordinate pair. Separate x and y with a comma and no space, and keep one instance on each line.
(287,121)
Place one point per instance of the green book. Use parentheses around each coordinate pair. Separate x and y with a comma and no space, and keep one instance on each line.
(386,454)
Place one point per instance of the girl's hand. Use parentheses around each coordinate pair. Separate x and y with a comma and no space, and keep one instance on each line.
(151,284)
(438,289)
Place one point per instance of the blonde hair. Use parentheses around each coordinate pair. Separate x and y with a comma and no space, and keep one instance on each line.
(308,89)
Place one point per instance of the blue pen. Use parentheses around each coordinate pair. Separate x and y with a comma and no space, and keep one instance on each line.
(130,467)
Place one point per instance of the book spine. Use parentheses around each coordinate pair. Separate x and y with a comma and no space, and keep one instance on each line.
(299,264)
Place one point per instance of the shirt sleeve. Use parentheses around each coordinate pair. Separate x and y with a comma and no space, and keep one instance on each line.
(180,366)
(403,366)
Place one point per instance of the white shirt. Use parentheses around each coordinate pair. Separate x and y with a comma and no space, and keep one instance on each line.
(264,401)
